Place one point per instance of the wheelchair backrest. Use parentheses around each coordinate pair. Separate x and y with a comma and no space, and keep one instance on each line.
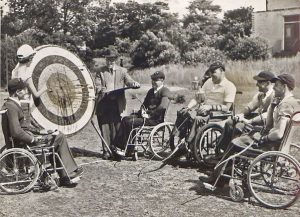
(5,129)
(291,134)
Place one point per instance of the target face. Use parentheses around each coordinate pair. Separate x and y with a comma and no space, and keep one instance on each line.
(69,101)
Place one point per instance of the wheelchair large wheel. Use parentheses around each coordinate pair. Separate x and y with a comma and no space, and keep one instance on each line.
(160,140)
(19,171)
(278,185)
(205,145)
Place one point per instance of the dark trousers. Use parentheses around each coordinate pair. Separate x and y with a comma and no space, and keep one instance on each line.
(62,148)
(127,124)
(109,119)
(238,145)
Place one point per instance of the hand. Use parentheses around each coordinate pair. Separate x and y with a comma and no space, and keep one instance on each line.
(241,117)
(257,136)
(145,115)
(275,101)
(43,132)
(100,90)
(204,109)
(185,110)
(136,85)
(40,140)
(55,132)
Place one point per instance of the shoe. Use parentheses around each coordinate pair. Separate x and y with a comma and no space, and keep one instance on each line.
(211,180)
(77,173)
(213,159)
(106,156)
(65,181)
(117,155)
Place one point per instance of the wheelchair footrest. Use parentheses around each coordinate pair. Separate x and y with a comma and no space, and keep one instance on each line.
(75,180)
(209,186)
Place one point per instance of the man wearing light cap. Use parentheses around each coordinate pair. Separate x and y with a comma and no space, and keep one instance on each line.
(152,110)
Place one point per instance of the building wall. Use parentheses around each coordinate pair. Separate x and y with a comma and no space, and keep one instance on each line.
(282,4)
(270,26)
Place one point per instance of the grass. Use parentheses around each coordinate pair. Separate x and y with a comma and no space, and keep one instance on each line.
(239,72)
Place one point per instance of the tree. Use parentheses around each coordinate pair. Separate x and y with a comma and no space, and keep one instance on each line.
(74,17)
(237,22)
(131,20)
(201,21)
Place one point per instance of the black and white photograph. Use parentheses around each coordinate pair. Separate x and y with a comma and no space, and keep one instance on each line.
(161,108)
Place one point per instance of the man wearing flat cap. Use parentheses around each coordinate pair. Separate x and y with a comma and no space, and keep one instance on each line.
(253,112)
(279,113)
(14,126)
(111,103)
(219,95)
(152,110)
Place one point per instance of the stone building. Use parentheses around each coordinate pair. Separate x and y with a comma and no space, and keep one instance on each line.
(279,25)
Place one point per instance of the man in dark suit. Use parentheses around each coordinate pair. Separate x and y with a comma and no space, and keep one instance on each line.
(112,102)
(13,124)
(152,111)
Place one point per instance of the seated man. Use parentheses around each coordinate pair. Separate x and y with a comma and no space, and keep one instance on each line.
(278,115)
(12,126)
(219,94)
(259,103)
(151,113)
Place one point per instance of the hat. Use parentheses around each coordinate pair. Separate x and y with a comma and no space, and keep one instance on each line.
(111,53)
(15,84)
(215,66)
(264,76)
(158,75)
(25,51)
(286,79)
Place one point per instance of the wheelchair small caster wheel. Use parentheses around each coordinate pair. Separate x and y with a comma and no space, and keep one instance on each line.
(135,156)
(236,193)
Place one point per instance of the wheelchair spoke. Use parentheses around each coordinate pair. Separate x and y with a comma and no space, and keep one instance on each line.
(273,179)
(160,140)
(19,171)
(206,142)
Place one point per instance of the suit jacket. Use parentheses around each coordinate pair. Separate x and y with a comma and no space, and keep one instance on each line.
(157,103)
(121,80)
(12,124)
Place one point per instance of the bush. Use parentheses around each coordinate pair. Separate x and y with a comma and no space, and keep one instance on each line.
(206,55)
(249,48)
(150,51)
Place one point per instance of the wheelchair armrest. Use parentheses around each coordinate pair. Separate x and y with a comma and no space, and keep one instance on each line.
(220,115)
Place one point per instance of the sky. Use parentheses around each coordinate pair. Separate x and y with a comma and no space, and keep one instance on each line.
(179,6)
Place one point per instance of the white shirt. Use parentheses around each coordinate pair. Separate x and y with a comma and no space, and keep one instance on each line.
(221,93)
(155,91)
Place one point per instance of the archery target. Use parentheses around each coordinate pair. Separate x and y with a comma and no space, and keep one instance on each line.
(69,101)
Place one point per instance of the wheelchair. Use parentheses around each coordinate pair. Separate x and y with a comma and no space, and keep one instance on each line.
(206,142)
(33,168)
(150,139)
(209,131)
(271,177)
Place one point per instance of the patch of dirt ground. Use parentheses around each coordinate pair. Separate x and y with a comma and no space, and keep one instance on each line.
(111,188)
